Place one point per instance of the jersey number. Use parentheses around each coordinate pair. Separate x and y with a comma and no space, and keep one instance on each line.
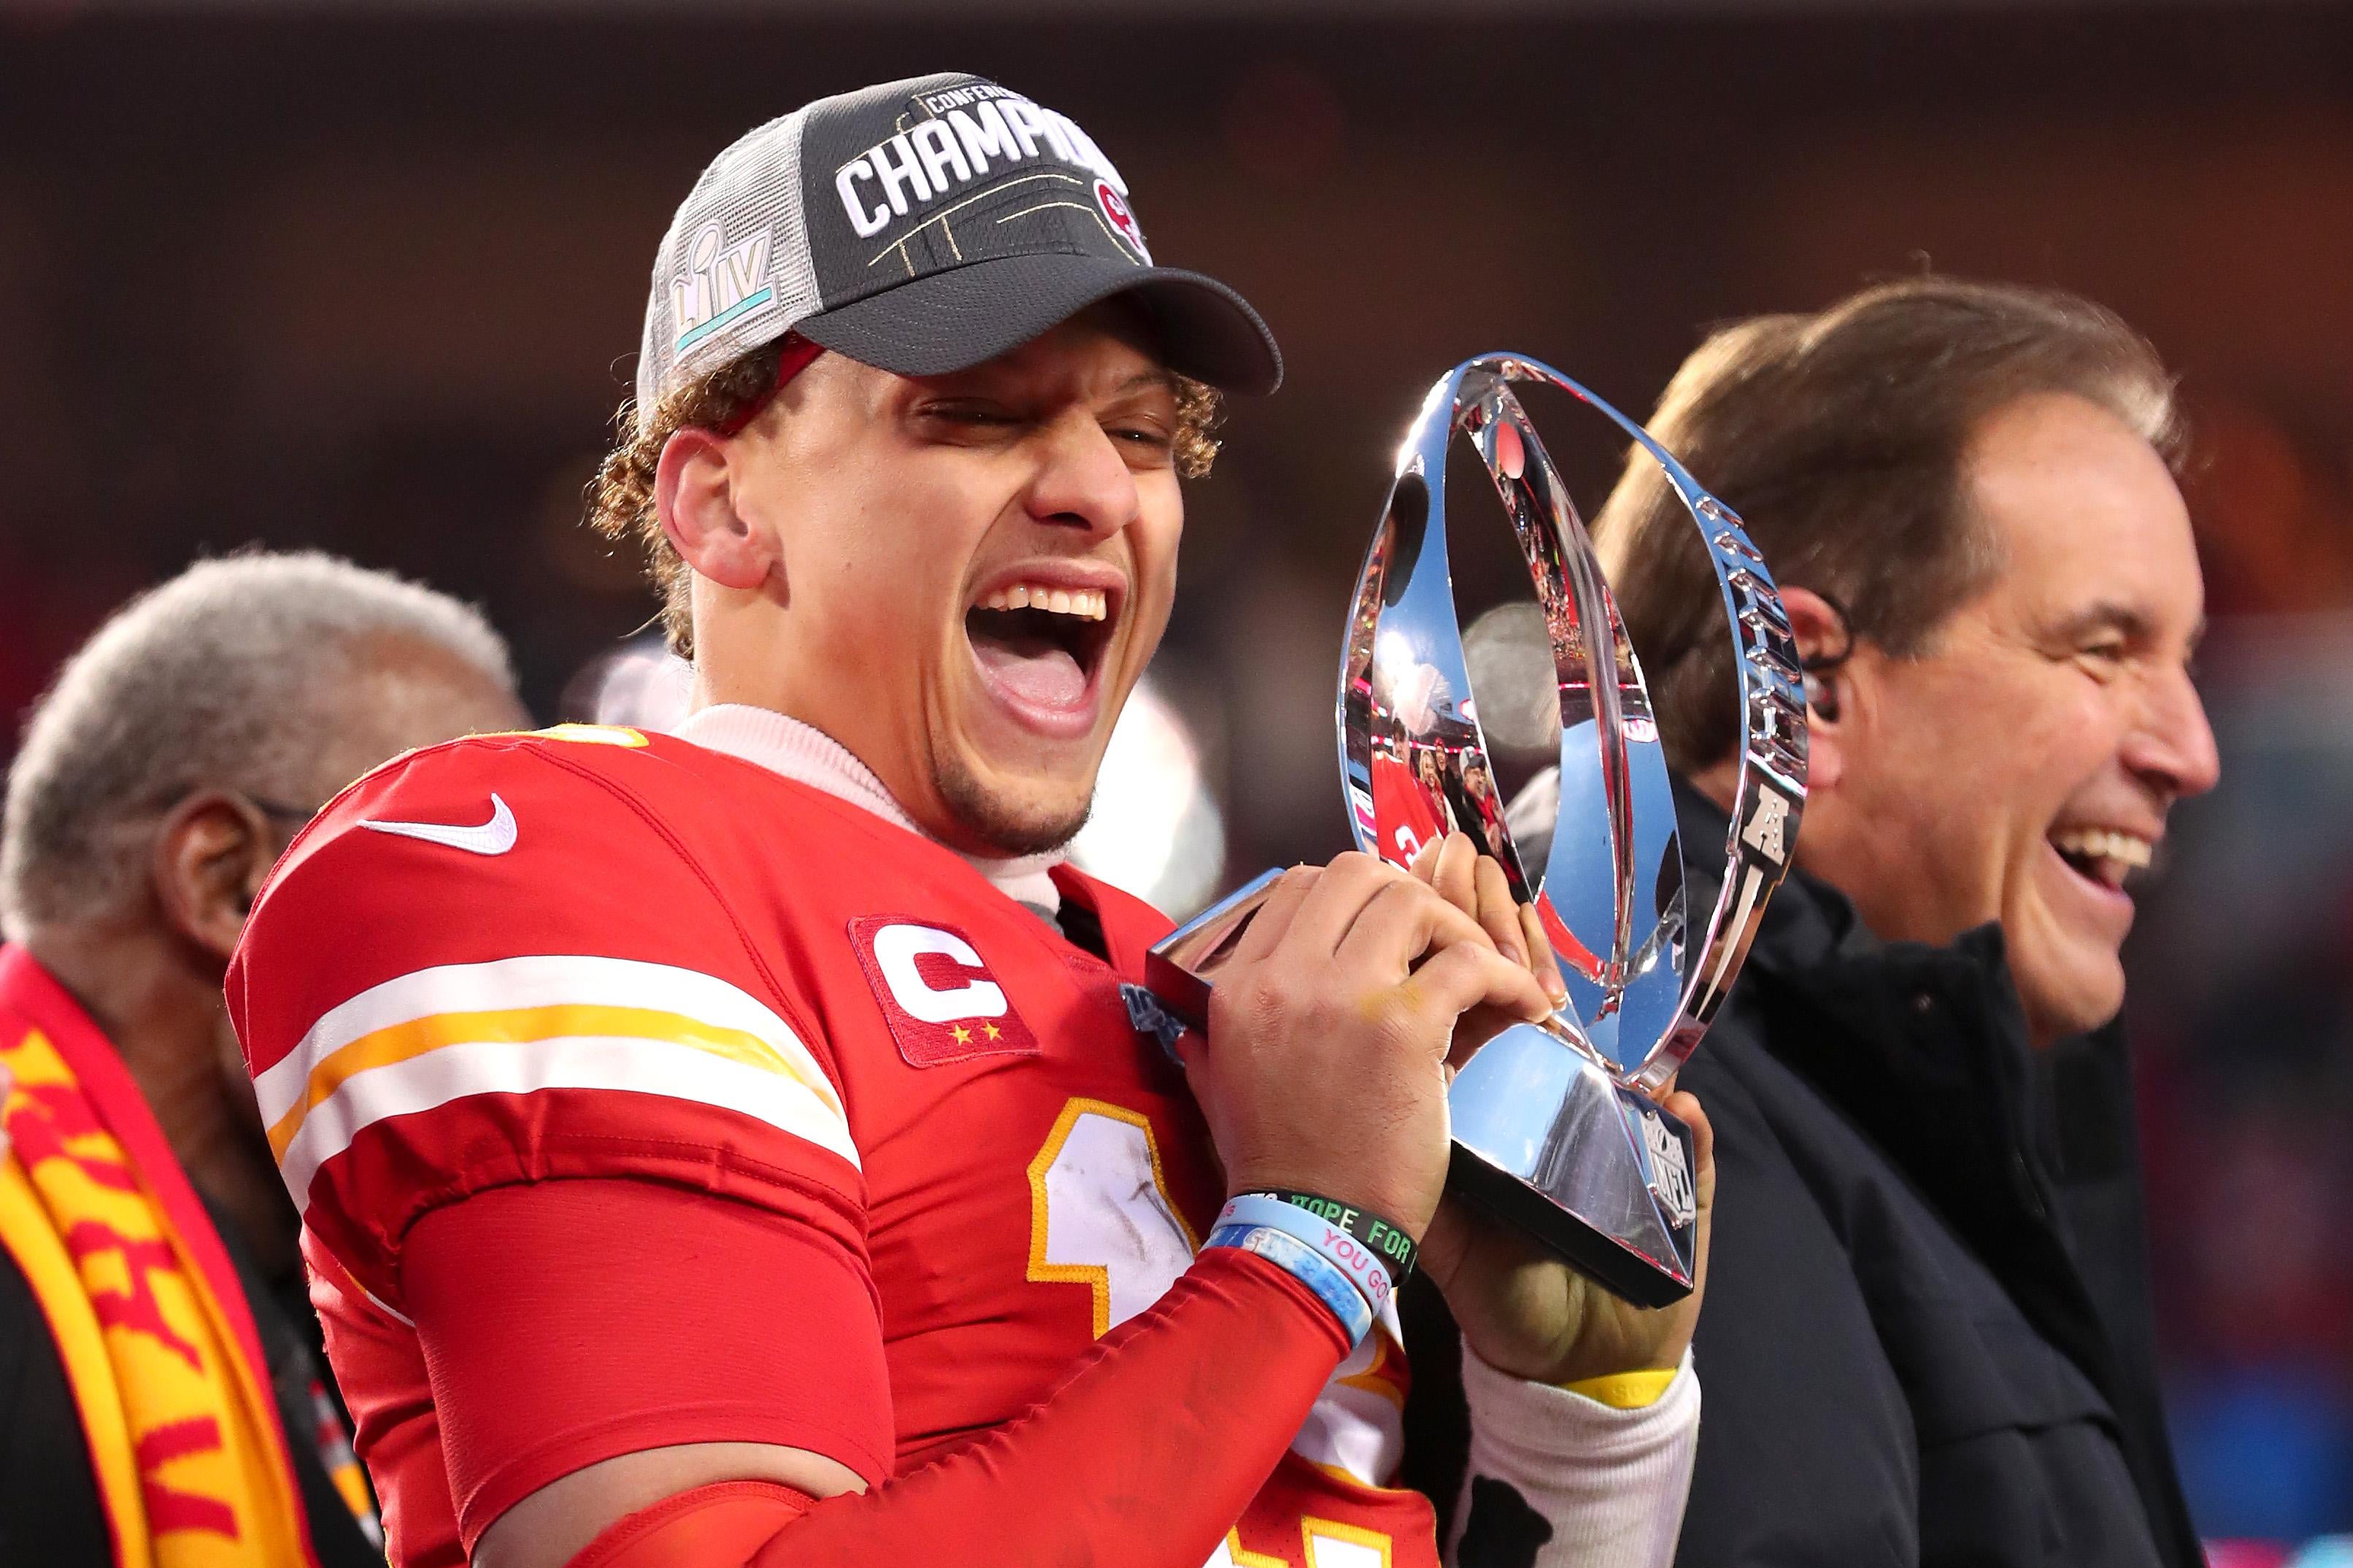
(1327,1543)
(1099,1214)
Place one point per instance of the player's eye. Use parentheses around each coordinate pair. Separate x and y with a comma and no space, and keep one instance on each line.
(970,414)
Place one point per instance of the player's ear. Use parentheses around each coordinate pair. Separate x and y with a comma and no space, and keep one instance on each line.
(694,494)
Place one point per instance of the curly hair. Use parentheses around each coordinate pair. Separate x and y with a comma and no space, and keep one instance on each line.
(621,500)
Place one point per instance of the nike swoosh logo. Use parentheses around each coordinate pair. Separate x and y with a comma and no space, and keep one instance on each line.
(495,837)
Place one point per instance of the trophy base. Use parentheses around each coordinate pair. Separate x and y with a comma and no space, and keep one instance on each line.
(1597,1174)
(1545,1138)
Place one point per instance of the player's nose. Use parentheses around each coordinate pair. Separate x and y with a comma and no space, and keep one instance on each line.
(1082,479)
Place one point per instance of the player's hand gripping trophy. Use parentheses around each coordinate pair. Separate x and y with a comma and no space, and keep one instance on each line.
(1557,1126)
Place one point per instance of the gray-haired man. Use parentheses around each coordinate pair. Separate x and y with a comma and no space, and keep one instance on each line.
(153,1334)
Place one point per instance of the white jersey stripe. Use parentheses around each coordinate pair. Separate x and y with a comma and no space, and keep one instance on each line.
(536,980)
(438,1077)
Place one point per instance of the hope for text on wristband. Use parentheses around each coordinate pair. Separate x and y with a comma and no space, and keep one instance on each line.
(1392,1246)
(1351,1257)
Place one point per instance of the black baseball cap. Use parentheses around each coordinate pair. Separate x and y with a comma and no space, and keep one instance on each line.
(923,227)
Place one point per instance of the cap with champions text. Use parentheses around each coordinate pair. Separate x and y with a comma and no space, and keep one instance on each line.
(922,226)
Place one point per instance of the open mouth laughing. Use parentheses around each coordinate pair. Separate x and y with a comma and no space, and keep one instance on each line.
(2105,856)
(1040,640)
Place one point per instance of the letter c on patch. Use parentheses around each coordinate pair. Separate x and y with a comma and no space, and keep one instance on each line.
(896,948)
(867,222)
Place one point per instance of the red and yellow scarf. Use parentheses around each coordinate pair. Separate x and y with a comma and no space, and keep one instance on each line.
(147,1313)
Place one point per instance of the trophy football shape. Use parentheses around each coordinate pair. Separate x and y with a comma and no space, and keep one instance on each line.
(1557,1126)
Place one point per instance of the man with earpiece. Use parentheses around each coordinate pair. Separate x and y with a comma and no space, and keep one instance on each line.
(1928,1338)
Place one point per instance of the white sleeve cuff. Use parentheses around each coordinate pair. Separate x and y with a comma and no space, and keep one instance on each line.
(1579,1482)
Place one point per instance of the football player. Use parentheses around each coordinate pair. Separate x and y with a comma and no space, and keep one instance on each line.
(755,1145)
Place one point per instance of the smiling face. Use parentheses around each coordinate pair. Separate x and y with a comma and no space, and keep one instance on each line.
(2020,767)
(958,577)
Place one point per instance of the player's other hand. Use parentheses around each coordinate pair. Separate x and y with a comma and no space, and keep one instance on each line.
(1526,1313)
(1523,1311)
(1325,1066)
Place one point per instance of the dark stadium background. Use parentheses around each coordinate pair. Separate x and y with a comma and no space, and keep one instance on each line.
(370,279)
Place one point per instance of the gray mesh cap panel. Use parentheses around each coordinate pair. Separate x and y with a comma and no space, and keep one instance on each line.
(734,270)
(921,226)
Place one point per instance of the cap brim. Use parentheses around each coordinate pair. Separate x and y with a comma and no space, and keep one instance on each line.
(953,321)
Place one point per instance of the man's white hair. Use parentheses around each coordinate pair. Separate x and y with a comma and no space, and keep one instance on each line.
(241,673)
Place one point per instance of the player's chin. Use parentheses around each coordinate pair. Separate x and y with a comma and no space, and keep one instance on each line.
(1022,805)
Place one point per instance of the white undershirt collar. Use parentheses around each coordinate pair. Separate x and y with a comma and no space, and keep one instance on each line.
(807,754)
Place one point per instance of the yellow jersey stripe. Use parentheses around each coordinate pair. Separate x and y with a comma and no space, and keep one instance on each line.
(525,982)
(432,1078)
(522,1026)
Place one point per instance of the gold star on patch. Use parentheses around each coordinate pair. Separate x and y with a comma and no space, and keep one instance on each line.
(992,1031)
(963,1035)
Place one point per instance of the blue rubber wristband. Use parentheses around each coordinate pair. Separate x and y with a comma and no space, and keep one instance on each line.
(1352,1258)
(1307,1265)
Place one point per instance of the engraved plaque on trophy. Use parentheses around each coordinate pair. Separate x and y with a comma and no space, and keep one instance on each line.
(1557,1125)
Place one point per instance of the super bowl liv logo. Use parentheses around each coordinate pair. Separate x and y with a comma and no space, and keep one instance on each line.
(720,284)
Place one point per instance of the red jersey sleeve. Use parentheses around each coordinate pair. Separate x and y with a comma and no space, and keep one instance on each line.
(490,964)
(545,1353)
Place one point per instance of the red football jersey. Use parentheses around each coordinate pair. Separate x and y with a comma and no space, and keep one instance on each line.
(1402,808)
(661,963)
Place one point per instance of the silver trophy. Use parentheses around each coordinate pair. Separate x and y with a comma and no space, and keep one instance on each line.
(1557,1126)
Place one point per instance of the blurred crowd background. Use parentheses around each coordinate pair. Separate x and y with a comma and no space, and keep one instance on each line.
(370,280)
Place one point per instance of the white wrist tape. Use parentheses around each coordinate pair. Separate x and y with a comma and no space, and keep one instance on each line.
(1580,1482)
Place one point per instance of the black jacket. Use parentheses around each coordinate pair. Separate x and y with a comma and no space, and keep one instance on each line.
(1927,1337)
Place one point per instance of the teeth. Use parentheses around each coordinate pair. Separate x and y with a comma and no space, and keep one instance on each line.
(2107,855)
(1087,603)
